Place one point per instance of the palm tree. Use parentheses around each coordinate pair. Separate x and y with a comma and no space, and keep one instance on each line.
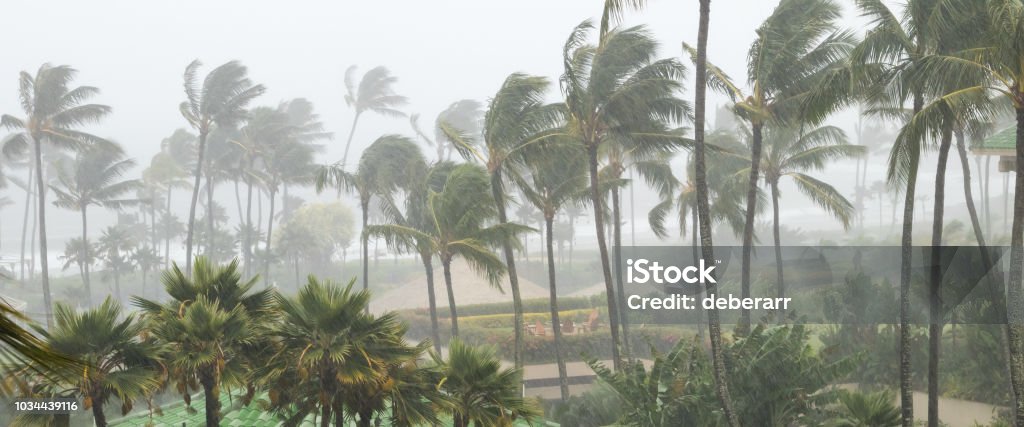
(53,111)
(22,348)
(388,165)
(148,260)
(374,93)
(456,226)
(481,392)
(219,102)
(78,252)
(463,115)
(121,363)
(517,120)
(115,247)
(790,153)
(211,327)
(329,341)
(94,179)
(618,93)
(700,57)
(555,181)
(898,45)
(799,75)
(288,161)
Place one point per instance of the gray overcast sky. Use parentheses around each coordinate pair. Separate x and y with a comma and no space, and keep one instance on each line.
(441,51)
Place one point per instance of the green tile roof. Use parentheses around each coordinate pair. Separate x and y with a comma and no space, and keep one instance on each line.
(1005,139)
(175,414)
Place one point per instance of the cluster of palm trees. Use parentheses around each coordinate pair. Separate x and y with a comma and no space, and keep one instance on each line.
(217,333)
(620,117)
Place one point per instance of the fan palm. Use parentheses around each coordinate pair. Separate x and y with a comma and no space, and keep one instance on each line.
(20,348)
(212,329)
(517,120)
(373,93)
(456,226)
(554,182)
(220,101)
(799,74)
(53,112)
(94,179)
(329,341)
(790,153)
(120,362)
(480,391)
(617,93)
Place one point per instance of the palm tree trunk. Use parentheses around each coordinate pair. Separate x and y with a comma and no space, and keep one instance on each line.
(86,258)
(365,205)
(24,223)
(97,410)
(621,293)
(748,228)
(428,268)
(348,144)
(266,247)
(47,298)
(167,234)
(778,246)
(1016,319)
(632,210)
(704,212)
(446,265)
(192,207)
(596,200)
(906,253)
(935,302)
(208,243)
(247,239)
(238,201)
(211,397)
(694,234)
(35,238)
(117,282)
(556,324)
(513,275)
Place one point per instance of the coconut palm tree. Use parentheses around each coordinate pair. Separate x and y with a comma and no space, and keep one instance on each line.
(617,93)
(79,253)
(290,159)
(148,260)
(456,226)
(220,101)
(53,112)
(790,153)
(464,115)
(328,340)
(799,74)
(94,179)
(480,391)
(384,168)
(115,246)
(212,329)
(553,182)
(517,120)
(700,58)
(374,93)
(121,362)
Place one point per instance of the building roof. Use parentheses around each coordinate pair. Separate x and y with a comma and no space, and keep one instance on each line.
(1001,143)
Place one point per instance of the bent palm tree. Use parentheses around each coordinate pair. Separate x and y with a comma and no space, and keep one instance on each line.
(458,217)
(374,93)
(385,167)
(219,101)
(481,392)
(617,92)
(93,179)
(517,121)
(53,111)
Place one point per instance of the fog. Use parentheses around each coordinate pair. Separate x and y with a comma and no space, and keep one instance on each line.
(441,52)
